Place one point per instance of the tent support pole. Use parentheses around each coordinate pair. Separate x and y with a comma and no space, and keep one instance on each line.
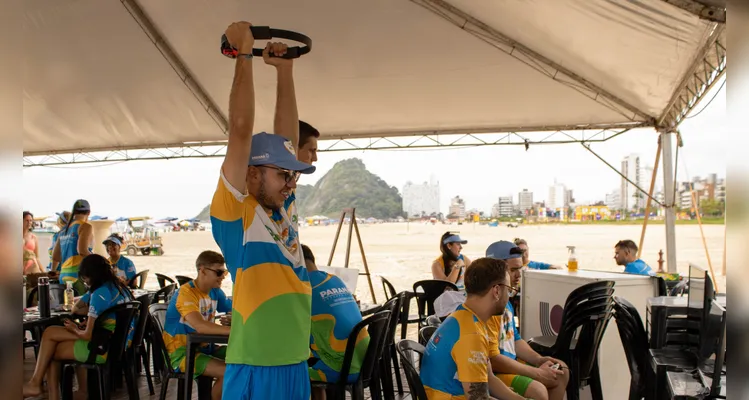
(668,190)
(650,196)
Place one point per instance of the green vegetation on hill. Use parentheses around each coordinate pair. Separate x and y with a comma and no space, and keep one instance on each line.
(347,184)
(205,214)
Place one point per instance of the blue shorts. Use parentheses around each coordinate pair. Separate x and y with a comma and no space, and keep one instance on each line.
(248,382)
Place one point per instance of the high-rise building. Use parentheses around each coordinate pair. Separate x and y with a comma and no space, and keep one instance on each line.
(457,207)
(421,199)
(525,200)
(558,196)
(506,208)
(632,167)
(613,200)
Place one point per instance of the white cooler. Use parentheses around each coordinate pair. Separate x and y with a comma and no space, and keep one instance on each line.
(544,293)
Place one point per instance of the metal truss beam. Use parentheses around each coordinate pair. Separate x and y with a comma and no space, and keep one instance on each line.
(425,141)
(534,60)
(706,70)
(715,12)
(179,67)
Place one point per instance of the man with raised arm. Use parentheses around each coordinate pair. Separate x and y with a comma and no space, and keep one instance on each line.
(268,346)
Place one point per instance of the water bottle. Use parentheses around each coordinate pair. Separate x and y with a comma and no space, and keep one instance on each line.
(43,292)
(24,292)
(69,297)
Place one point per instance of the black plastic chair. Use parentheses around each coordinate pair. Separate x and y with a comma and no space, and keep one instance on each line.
(408,350)
(635,344)
(404,316)
(590,291)
(433,320)
(163,280)
(140,352)
(164,294)
(114,346)
(139,280)
(376,326)
(389,363)
(431,289)
(425,334)
(388,288)
(163,363)
(181,279)
(662,288)
(584,320)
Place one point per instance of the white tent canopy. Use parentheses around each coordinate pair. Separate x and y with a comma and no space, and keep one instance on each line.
(136,74)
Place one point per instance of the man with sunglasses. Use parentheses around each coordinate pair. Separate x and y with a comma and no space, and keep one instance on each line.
(255,226)
(456,364)
(512,359)
(193,309)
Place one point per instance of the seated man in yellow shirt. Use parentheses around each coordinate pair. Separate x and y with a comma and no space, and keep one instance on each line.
(193,309)
(512,358)
(456,360)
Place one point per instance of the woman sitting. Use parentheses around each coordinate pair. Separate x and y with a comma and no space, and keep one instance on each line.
(71,342)
(451,265)
(123,266)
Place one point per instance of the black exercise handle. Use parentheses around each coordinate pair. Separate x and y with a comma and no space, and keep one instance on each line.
(267,33)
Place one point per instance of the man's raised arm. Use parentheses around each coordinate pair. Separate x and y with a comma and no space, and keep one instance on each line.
(241,107)
(286,120)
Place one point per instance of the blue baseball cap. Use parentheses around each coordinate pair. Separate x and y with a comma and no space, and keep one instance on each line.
(454,239)
(270,149)
(504,250)
(113,239)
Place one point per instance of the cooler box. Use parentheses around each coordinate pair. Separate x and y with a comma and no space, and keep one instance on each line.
(543,296)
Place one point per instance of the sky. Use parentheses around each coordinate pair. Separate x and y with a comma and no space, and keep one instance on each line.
(182,187)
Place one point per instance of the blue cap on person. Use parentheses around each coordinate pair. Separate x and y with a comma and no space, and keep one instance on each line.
(503,250)
(454,239)
(81,205)
(270,149)
(113,239)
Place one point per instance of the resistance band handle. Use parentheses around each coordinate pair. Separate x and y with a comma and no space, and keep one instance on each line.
(267,33)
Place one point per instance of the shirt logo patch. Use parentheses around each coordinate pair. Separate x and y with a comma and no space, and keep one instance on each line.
(290,147)
(477,357)
(334,292)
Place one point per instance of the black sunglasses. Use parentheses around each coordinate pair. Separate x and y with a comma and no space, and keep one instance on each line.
(219,272)
(288,175)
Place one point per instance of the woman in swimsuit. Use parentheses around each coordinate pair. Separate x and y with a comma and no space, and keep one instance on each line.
(31,263)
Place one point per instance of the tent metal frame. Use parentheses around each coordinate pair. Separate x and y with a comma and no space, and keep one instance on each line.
(436,140)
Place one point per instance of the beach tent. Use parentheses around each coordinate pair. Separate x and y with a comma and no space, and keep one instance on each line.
(131,79)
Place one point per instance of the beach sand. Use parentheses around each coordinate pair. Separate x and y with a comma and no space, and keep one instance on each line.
(403,252)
